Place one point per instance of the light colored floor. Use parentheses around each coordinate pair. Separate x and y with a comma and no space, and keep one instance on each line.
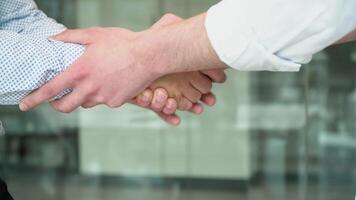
(46,187)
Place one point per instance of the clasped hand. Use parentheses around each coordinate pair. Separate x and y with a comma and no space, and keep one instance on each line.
(114,70)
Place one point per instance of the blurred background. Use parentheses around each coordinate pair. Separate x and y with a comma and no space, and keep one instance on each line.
(271,136)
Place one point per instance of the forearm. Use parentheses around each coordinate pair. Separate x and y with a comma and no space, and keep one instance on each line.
(28,62)
(179,47)
(248,38)
(28,58)
(348,38)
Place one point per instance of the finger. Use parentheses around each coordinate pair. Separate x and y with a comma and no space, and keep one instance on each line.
(48,91)
(63,81)
(197,108)
(184,104)
(173,120)
(69,102)
(167,19)
(145,98)
(89,104)
(159,100)
(170,107)
(78,36)
(202,83)
(192,94)
(216,75)
(209,99)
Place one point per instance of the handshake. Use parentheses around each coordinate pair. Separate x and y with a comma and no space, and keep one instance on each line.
(182,91)
(168,67)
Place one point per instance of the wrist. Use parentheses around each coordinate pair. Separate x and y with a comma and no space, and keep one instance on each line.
(179,47)
(152,52)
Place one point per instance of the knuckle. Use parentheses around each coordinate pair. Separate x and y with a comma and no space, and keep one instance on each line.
(85,106)
(169,18)
(63,109)
(169,15)
(88,105)
(114,104)
(100,99)
(93,29)
(67,106)
(81,74)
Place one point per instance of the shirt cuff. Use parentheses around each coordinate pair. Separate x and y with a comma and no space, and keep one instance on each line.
(69,54)
(236,45)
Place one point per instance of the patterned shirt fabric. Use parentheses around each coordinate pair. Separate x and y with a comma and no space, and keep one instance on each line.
(28,59)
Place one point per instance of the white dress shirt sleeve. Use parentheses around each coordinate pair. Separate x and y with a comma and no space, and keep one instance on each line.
(277,35)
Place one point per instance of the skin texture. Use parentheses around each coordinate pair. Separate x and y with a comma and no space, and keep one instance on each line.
(153,98)
(209,98)
(348,38)
(141,61)
(86,72)
(130,57)
(148,99)
(179,47)
(183,91)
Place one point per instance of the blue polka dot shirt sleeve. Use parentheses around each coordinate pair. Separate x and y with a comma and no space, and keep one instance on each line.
(28,59)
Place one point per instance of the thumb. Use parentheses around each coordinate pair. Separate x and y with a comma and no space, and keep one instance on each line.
(78,36)
(167,19)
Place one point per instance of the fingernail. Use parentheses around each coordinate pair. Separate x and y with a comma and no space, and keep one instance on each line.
(23,107)
(170,105)
(161,96)
(159,99)
(145,97)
